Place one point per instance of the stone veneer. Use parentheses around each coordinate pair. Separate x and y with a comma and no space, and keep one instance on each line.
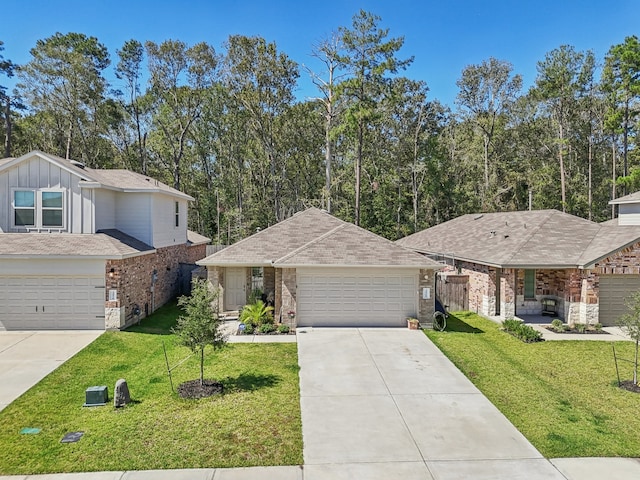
(135,283)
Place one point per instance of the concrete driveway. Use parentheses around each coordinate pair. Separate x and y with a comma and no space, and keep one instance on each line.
(386,403)
(28,357)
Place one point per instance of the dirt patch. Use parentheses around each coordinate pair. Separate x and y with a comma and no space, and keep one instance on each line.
(630,386)
(193,389)
(576,332)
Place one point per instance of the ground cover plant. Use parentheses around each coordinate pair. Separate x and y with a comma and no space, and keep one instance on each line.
(563,396)
(255,422)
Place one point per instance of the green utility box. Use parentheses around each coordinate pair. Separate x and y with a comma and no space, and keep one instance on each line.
(96,396)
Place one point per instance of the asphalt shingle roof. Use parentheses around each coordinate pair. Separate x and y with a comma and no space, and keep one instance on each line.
(123,180)
(104,244)
(539,238)
(314,237)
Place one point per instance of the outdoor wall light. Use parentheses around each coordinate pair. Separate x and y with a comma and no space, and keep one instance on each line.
(111,272)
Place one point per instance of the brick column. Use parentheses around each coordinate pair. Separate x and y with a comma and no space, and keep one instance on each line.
(288,296)
(269,280)
(426,307)
(507,293)
(215,275)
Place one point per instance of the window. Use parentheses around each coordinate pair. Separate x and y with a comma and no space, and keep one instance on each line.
(24,208)
(529,284)
(52,209)
(38,208)
(177,214)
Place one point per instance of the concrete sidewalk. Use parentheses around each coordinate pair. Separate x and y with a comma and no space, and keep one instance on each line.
(28,357)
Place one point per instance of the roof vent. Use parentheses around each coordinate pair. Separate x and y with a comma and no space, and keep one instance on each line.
(78,164)
(492,233)
(478,217)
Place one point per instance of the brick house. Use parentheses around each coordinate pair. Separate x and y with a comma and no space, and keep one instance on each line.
(82,248)
(322,271)
(524,263)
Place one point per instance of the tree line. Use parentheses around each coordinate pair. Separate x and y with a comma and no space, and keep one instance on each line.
(372,148)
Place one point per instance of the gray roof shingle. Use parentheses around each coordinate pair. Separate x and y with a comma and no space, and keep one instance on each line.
(104,244)
(314,237)
(539,238)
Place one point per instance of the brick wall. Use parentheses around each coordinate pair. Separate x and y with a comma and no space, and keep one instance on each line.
(426,307)
(148,281)
(482,289)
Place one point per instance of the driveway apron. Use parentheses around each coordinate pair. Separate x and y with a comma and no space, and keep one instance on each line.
(386,403)
(28,357)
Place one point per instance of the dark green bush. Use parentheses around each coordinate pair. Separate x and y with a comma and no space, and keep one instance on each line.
(557,325)
(283,329)
(526,333)
(267,328)
(249,329)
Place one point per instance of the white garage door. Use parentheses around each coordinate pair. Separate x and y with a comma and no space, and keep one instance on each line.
(356,297)
(614,289)
(52,303)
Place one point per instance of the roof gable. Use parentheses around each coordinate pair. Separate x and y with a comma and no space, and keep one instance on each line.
(113,179)
(314,237)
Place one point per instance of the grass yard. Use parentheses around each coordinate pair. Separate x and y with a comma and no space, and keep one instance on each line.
(563,396)
(256,421)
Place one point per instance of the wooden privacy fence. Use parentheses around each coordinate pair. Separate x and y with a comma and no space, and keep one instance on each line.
(453,291)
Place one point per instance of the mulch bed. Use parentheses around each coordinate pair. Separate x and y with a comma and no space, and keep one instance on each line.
(193,389)
(629,385)
(574,331)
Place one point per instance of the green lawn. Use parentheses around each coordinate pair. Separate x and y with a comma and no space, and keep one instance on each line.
(562,396)
(256,422)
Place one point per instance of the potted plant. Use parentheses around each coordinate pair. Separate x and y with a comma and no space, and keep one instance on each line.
(413,323)
(291,314)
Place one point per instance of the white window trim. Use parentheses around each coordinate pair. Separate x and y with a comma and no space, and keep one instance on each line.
(38,209)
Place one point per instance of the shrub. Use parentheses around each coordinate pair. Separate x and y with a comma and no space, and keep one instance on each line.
(511,324)
(283,328)
(255,295)
(267,328)
(256,314)
(526,333)
(557,325)
(597,327)
(249,329)
(581,327)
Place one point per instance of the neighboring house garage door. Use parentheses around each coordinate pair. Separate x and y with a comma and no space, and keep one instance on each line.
(52,303)
(614,289)
(356,297)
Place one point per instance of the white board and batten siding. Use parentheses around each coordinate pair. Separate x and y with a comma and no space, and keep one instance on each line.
(165,232)
(367,297)
(132,214)
(52,294)
(37,173)
(629,214)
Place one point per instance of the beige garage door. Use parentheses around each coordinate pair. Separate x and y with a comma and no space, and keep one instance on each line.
(614,289)
(52,303)
(356,297)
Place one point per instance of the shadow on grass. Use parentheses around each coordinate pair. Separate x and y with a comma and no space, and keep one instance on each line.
(249,382)
(159,322)
(456,324)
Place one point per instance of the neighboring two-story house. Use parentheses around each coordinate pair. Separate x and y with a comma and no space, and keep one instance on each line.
(83,248)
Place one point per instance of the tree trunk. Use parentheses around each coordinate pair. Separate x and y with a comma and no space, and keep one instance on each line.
(590,179)
(328,158)
(201,366)
(613,177)
(562,177)
(7,127)
(359,169)
(68,150)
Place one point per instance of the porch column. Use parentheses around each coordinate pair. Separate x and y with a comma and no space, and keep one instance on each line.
(572,296)
(489,300)
(426,307)
(215,275)
(507,293)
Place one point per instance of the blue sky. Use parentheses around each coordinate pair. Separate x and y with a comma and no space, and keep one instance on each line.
(443,36)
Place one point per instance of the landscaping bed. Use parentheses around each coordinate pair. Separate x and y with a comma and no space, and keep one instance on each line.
(255,421)
(563,396)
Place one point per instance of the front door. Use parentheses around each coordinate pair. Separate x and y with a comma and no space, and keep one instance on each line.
(235,295)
